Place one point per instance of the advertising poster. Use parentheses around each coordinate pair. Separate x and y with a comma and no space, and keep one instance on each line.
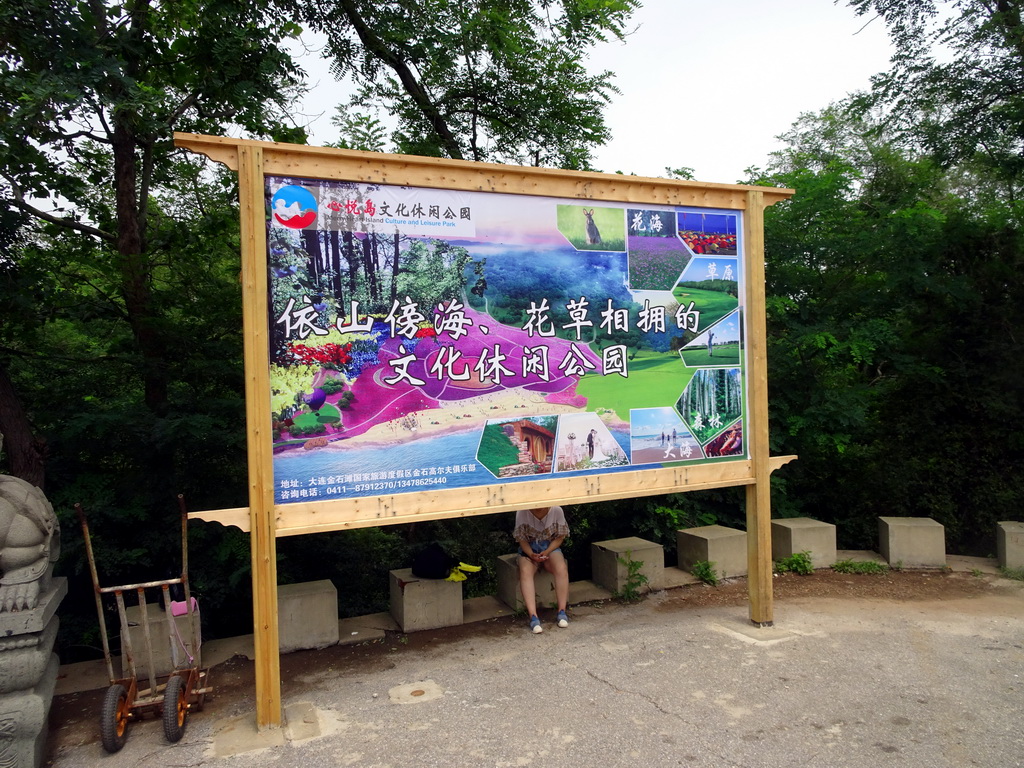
(424,339)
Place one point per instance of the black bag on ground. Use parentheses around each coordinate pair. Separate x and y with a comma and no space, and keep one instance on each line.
(432,562)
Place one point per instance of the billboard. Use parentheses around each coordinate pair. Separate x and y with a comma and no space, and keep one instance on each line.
(426,339)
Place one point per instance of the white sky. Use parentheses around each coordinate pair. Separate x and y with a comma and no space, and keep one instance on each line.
(707,85)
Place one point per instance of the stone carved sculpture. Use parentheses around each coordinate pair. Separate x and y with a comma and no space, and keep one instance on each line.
(29,596)
(29,543)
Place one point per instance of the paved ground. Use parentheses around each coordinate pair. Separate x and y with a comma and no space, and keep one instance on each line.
(934,678)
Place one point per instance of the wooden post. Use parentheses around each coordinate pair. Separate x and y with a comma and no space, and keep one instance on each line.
(759,514)
(258,430)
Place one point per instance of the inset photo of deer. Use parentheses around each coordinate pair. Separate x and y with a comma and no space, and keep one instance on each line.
(592,228)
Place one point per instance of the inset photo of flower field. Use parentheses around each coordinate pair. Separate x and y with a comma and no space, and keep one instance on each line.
(709,233)
(657,257)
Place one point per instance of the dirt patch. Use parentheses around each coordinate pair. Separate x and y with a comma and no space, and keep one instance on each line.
(891,585)
(74,718)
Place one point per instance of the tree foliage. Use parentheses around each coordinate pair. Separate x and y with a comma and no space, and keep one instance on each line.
(502,81)
(892,318)
(97,89)
(120,329)
(956,85)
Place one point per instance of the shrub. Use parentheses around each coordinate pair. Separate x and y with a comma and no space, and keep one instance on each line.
(798,562)
(705,571)
(332,386)
(634,579)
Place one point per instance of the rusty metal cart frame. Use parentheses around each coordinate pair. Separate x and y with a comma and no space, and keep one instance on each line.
(170,696)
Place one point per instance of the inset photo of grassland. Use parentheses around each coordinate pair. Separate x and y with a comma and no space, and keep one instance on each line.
(712,286)
(589,228)
(720,345)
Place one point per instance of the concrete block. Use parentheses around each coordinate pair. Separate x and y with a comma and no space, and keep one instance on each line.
(912,541)
(424,603)
(609,573)
(1010,544)
(725,547)
(802,534)
(307,615)
(509,591)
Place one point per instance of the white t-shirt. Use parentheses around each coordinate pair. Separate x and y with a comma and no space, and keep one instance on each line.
(530,527)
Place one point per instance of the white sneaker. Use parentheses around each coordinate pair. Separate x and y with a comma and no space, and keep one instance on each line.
(535,625)
(563,619)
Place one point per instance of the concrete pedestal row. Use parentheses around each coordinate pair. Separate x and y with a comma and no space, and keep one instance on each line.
(309,613)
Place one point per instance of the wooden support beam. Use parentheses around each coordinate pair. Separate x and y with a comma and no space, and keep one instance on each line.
(258,437)
(321,516)
(253,160)
(758,494)
(442,173)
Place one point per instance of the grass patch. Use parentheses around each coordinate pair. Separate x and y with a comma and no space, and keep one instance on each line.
(655,378)
(326,414)
(1017,574)
(496,450)
(859,566)
(724,354)
(610,222)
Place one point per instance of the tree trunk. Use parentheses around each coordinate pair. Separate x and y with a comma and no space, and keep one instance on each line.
(335,265)
(25,454)
(379,49)
(311,242)
(369,269)
(353,262)
(134,269)
(394,273)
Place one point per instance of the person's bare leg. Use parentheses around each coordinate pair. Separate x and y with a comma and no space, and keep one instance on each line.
(527,569)
(559,568)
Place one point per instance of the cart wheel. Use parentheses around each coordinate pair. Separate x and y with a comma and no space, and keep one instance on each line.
(175,709)
(114,718)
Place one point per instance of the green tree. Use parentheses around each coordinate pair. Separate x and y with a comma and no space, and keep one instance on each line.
(956,85)
(99,87)
(501,81)
(892,356)
(120,325)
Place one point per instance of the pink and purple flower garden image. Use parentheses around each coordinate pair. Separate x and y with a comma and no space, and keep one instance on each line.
(656,255)
(655,263)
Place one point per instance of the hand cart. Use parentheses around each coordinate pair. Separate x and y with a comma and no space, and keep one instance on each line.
(171,696)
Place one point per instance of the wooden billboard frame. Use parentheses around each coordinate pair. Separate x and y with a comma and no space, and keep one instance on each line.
(265,521)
